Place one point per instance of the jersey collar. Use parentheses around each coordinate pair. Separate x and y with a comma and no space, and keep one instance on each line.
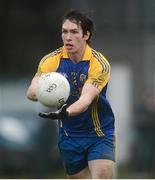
(86,57)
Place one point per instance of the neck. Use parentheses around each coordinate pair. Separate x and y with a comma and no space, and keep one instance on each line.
(77,56)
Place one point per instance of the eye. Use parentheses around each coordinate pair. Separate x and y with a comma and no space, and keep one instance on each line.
(64,31)
(74,31)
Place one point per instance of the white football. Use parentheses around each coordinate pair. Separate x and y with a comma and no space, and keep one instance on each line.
(53,89)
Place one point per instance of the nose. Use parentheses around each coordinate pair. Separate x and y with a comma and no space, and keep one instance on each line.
(68,36)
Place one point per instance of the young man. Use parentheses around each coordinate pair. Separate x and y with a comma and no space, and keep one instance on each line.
(86,123)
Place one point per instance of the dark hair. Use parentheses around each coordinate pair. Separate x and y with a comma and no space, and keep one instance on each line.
(80,19)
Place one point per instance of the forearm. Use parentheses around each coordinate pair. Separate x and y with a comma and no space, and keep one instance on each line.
(89,92)
(76,108)
(80,106)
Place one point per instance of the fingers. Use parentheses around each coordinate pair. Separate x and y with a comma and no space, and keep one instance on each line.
(44,115)
(62,107)
(59,114)
(49,115)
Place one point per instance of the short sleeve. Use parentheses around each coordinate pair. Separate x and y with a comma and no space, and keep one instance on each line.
(49,63)
(99,71)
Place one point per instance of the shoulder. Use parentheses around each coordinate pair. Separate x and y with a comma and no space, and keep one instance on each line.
(54,54)
(99,70)
(50,62)
(99,56)
(99,60)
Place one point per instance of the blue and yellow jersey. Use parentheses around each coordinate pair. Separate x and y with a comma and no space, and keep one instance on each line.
(93,68)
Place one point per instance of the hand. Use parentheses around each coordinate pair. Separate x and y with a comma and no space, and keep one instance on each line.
(59,114)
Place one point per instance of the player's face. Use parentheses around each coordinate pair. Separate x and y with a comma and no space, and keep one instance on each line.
(73,38)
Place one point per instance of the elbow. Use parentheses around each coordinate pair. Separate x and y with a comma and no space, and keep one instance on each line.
(89,101)
(31,95)
(31,92)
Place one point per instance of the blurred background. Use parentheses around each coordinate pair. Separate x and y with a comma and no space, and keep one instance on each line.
(125,34)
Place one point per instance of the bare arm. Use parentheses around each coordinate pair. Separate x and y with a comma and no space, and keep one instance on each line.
(89,92)
(31,92)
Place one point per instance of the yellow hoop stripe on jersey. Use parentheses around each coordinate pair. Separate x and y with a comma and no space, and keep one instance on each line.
(96,121)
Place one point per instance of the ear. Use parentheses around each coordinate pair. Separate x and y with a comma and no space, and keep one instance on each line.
(86,36)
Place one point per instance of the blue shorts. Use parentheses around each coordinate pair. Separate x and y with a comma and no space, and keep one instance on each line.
(77,151)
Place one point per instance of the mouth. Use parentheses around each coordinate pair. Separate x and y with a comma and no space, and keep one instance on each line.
(68,45)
